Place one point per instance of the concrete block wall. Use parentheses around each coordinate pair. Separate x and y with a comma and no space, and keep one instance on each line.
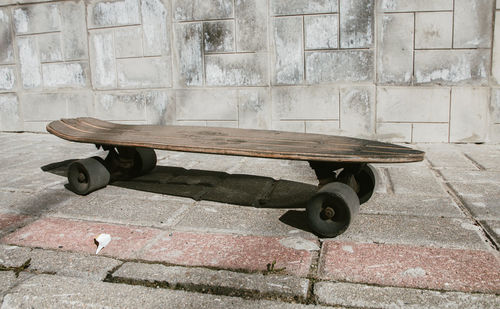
(394,70)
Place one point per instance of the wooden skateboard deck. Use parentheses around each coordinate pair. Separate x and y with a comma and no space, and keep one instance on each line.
(231,141)
(340,163)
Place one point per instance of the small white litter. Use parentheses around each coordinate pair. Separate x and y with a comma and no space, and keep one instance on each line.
(102,241)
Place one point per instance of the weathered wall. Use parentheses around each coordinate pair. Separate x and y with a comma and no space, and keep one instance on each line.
(398,70)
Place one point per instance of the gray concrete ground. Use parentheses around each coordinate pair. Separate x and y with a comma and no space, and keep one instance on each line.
(446,205)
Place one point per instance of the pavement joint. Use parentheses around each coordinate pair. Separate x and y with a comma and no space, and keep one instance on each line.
(256,294)
(16,269)
(213,290)
(313,269)
(178,215)
(483,231)
(475,163)
(150,244)
(9,189)
(312,276)
(109,275)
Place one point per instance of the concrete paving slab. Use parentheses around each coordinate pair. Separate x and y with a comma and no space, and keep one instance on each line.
(44,154)
(366,296)
(46,291)
(218,163)
(225,218)
(216,281)
(178,159)
(125,209)
(11,161)
(8,198)
(299,171)
(36,181)
(30,156)
(447,156)
(413,179)
(453,175)
(78,236)
(8,280)
(56,262)
(480,198)
(411,266)
(249,253)
(413,205)
(412,230)
(34,204)
(116,190)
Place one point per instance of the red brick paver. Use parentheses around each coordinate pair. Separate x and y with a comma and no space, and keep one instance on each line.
(200,249)
(229,251)
(9,220)
(73,235)
(411,266)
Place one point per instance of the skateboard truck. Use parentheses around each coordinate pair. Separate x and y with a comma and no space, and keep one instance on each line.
(128,162)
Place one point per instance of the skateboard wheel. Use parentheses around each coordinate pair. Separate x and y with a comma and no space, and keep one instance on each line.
(366,180)
(88,175)
(332,209)
(145,160)
(362,182)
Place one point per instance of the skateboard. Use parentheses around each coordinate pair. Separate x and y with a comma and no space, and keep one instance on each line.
(341,164)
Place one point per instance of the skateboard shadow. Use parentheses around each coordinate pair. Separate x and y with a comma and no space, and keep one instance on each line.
(236,189)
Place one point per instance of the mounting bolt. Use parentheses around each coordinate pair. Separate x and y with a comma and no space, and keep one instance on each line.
(329,212)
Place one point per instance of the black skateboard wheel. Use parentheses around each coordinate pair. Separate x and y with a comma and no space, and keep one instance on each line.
(144,161)
(332,209)
(88,175)
(366,180)
(362,182)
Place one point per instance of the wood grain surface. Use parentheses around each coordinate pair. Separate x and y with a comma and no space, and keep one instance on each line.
(230,141)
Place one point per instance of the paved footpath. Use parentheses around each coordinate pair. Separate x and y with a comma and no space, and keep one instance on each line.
(214,231)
